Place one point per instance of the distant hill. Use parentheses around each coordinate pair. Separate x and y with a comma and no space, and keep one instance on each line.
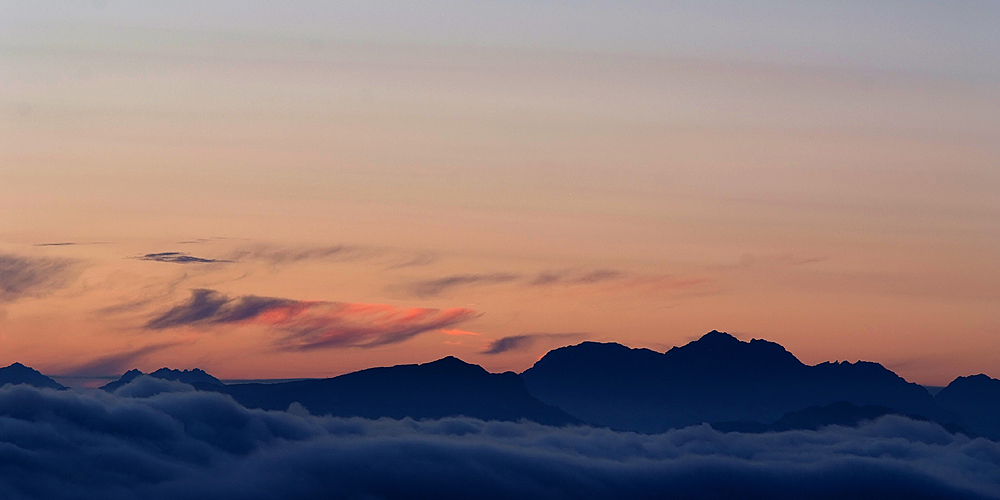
(976,399)
(716,378)
(20,374)
(446,387)
(196,377)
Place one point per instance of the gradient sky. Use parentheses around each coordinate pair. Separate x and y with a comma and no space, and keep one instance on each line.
(354,184)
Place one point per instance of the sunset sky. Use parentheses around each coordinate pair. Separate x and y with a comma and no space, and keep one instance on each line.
(273,190)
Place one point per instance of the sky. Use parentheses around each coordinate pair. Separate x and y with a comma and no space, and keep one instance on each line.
(304,189)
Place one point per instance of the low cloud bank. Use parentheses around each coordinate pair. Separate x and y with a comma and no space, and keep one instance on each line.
(155,439)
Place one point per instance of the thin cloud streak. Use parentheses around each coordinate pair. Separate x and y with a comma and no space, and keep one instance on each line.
(365,325)
(178,258)
(69,243)
(522,342)
(511,343)
(611,279)
(311,325)
(417,260)
(545,278)
(118,363)
(210,306)
(435,287)
(140,304)
(33,276)
(287,255)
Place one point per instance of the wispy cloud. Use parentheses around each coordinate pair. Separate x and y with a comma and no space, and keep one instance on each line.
(363,325)
(415,260)
(210,306)
(434,287)
(312,325)
(286,255)
(576,277)
(118,363)
(178,258)
(522,342)
(454,332)
(198,241)
(276,255)
(749,260)
(69,243)
(609,279)
(158,294)
(22,276)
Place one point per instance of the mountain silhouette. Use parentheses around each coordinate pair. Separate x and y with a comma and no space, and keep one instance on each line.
(446,387)
(442,388)
(976,399)
(716,378)
(20,374)
(196,377)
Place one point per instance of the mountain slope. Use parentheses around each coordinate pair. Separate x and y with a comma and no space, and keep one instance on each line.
(196,377)
(446,387)
(976,399)
(20,374)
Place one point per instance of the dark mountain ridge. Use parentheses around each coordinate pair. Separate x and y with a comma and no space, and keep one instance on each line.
(442,388)
(977,399)
(20,374)
(715,378)
(195,377)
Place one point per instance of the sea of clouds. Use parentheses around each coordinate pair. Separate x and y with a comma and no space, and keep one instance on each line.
(156,439)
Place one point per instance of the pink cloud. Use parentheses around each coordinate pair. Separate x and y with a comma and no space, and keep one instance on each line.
(312,325)
(456,332)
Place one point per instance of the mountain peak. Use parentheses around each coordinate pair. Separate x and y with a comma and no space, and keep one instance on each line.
(453,364)
(192,376)
(719,338)
(17,373)
(450,359)
(724,351)
(195,376)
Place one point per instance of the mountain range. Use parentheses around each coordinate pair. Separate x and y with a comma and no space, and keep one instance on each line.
(753,386)
(715,378)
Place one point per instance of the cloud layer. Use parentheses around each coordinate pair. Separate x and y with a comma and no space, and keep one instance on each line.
(311,325)
(32,276)
(157,439)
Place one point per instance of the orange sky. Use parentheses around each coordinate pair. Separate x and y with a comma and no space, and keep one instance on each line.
(414,193)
